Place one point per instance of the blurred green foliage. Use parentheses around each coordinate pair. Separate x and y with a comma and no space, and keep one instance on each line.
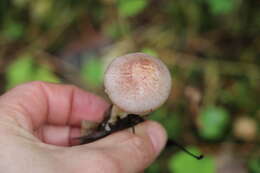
(219,7)
(26,69)
(92,72)
(183,163)
(20,71)
(171,122)
(149,52)
(13,30)
(254,165)
(210,46)
(154,168)
(131,8)
(214,122)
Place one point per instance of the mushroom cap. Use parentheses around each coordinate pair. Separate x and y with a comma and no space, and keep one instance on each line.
(137,83)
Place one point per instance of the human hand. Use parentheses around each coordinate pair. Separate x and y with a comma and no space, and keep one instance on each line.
(39,120)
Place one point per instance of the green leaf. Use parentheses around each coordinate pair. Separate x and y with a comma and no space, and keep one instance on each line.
(254,164)
(154,168)
(160,114)
(13,30)
(20,71)
(183,163)
(221,6)
(149,51)
(170,120)
(92,72)
(113,30)
(25,69)
(45,74)
(214,121)
(128,8)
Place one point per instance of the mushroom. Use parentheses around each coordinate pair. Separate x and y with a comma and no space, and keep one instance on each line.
(136,83)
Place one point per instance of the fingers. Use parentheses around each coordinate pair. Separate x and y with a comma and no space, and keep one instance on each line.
(37,103)
(58,135)
(128,152)
(136,152)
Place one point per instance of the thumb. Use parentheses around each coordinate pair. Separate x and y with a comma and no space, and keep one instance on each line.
(133,152)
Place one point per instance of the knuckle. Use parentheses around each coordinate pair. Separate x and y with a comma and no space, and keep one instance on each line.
(35,85)
(32,89)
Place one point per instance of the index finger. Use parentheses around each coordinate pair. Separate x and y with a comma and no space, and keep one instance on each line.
(39,103)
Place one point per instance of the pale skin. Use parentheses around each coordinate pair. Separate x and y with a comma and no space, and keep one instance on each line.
(38,124)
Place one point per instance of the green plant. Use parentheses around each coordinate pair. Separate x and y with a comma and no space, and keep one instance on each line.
(183,163)
(213,122)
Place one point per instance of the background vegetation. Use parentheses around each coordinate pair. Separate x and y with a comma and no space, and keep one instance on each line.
(212,48)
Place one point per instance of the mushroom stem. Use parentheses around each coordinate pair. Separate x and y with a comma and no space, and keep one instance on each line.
(116,113)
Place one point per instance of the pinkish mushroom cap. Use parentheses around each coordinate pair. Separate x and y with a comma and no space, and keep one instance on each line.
(137,83)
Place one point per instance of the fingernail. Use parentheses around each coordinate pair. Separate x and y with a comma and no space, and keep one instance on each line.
(157,135)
